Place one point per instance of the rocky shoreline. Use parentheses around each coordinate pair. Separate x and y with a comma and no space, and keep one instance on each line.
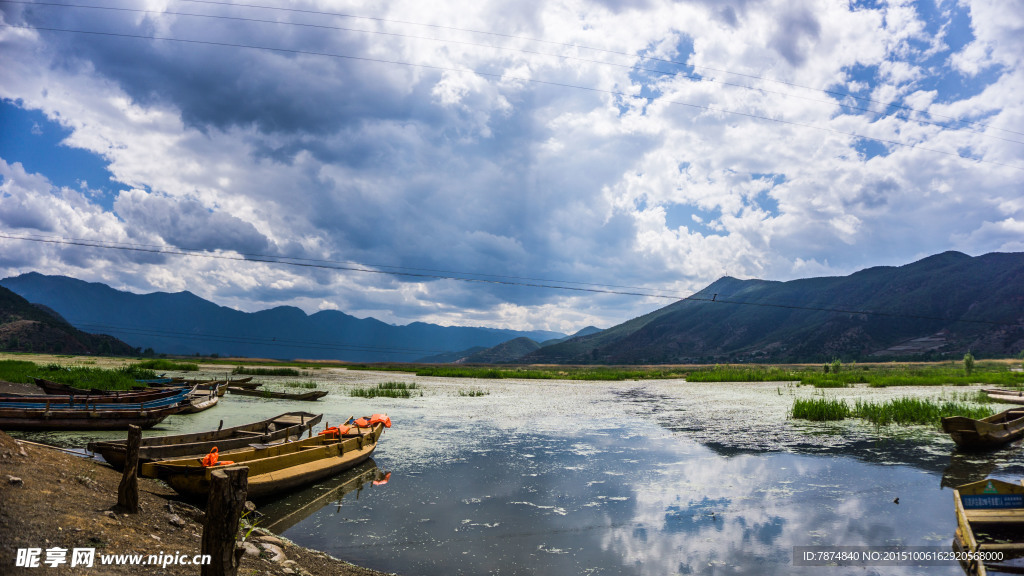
(54,501)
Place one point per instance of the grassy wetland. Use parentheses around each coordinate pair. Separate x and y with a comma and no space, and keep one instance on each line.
(690,470)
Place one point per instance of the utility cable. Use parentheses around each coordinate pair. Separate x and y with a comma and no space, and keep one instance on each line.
(714,299)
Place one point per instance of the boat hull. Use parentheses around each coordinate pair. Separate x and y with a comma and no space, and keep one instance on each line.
(274,470)
(157,448)
(12,419)
(990,432)
(305,396)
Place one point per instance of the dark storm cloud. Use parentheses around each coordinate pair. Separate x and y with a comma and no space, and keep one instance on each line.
(188,224)
(224,86)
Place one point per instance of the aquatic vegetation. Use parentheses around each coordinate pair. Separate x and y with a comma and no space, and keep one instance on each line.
(533,373)
(266,371)
(164,364)
(743,374)
(387,390)
(122,378)
(820,409)
(473,392)
(300,384)
(896,411)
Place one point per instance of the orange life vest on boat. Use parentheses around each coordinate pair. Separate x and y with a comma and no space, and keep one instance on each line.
(213,459)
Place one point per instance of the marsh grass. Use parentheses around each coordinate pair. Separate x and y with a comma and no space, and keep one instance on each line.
(743,374)
(387,390)
(266,371)
(896,411)
(309,385)
(877,376)
(473,393)
(553,373)
(122,378)
(820,409)
(164,365)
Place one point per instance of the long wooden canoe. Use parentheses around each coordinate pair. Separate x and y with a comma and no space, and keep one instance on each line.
(308,396)
(199,401)
(88,416)
(55,391)
(156,448)
(276,469)
(990,519)
(990,432)
(1007,398)
(56,388)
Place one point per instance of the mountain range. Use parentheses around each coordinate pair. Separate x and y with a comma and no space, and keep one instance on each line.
(939,307)
(184,324)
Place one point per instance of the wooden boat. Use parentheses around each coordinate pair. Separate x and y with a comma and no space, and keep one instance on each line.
(199,401)
(51,387)
(308,396)
(990,519)
(1007,398)
(130,400)
(87,415)
(990,432)
(275,469)
(175,380)
(239,381)
(246,385)
(156,448)
(55,389)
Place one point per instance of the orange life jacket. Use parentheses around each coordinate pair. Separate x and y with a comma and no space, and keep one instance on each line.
(213,459)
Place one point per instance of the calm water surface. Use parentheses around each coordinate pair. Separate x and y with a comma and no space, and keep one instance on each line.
(627,478)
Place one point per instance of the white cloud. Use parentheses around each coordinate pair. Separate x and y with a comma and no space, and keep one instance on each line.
(510,171)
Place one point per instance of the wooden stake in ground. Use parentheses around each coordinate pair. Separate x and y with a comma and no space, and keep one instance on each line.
(228,487)
(128,490)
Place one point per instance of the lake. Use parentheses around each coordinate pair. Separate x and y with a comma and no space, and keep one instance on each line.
(630,478)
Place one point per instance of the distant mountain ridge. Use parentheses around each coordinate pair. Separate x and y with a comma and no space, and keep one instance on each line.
(26,327)
(939,307)
(183,323)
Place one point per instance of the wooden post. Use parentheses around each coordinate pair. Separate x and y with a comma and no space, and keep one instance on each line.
(128,489)
(224,507)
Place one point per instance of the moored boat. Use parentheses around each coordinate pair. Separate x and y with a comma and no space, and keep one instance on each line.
(156,448)
(991,432)
(276,469)
(990,526)
(55,390)
(51,387)
(199,401)
(87,415)
(307,396)
(1006,398)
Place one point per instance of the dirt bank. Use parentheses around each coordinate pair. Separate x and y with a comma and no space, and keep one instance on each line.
(51,499)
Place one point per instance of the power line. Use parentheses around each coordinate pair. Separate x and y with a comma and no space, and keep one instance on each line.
(523,79)
(267,259)
(329,265)
(693,297)
(675,73)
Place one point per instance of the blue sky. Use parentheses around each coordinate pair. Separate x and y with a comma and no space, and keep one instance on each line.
(646,144)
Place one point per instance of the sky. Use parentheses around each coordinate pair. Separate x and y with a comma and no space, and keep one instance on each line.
(355,156)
